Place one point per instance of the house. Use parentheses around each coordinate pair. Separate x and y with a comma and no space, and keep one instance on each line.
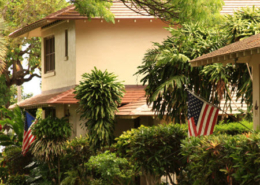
(244,51)
(72,45)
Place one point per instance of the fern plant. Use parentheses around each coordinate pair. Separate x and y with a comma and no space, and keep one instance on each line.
(99,94)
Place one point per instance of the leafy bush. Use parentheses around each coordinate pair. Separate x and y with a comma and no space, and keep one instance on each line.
(77,149)
(99,95)
(233,128)
(154,150)
(15,161)
(39,174)
(52,129)
(16,179)
(12,119)
(51,135)
(109,169)
(223,159)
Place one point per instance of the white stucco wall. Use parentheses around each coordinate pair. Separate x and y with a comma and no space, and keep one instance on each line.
(118,47)
(65,70)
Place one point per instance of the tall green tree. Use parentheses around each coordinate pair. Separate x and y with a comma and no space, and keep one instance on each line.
(167,71)
(99,95)
(16,14)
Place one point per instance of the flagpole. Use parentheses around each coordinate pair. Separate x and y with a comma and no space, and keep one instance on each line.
(203,99)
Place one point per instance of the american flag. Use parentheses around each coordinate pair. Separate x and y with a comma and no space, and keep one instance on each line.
(28,138)
(202,116)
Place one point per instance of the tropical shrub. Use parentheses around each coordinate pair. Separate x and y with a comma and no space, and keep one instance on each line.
(222,159)
(167,72)
(99,95)
(13,122)
(154,150)
(109,169)
(79,150)
(233,128)
(15,161)
(51,135)
(39,174)
(16,179)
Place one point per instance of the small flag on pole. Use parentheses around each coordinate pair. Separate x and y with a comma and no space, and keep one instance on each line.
(28,138)
(202,116)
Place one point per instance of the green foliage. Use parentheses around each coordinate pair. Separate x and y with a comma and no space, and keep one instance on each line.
(51,135)
(54,129)
(16,14)
(174,11)
(14,120)
(79,150)
(39,174)
(167,72)
(222,159)
(5,94)
(233,128)
(99,95)
(16,179)
(15,161)
(154,150)
(110,169)
(98,8)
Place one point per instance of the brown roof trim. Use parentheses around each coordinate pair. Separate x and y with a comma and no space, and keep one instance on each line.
(69,13)
(239,50)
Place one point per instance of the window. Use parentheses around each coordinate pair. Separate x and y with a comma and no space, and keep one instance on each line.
(66,44)
(49,54)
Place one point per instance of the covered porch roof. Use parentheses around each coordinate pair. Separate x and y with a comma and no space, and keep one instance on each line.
(67,96)
(244,51)
(240,51)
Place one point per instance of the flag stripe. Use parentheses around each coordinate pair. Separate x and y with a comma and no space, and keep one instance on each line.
(211,121)
(194,127)
(214,121)
(189,130)
(203,118)
(208,121)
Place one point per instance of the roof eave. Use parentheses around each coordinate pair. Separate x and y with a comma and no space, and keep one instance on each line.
(242,56)
(29,28)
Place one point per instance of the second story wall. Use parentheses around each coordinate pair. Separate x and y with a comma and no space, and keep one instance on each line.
(64,74)
(118,47)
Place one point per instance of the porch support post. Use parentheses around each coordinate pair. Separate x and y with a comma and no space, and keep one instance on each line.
(255,62)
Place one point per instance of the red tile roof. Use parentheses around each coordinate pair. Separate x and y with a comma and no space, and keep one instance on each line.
(133,93)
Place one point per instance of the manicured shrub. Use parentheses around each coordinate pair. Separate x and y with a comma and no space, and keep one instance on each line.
(233,128)
(154,150)
(108,169)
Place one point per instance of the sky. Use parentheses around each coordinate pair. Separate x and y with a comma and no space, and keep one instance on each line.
(33,86)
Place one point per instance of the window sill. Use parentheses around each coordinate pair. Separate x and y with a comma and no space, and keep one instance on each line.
(49,74)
